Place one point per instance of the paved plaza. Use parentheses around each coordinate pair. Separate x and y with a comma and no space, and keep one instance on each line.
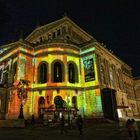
(92,131)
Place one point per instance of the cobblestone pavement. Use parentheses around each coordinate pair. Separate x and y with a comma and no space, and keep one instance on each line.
(92,131)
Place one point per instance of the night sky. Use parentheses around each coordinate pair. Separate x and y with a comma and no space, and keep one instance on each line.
(116,23)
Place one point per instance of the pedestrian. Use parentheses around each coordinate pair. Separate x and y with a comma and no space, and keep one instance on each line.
(134,129)
(79,123)
(121,125)
(62,125)
(73,122)
(32,119)
(129,128)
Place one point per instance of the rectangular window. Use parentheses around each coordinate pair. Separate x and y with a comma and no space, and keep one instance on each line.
(49,37)
(58,32)
(54,35)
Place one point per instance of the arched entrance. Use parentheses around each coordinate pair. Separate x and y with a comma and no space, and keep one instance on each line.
(58,101)
(54,113)
(109,103)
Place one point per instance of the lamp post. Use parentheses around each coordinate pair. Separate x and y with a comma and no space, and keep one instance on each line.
(22,94)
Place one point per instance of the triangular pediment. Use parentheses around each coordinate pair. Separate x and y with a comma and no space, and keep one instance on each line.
(63,28)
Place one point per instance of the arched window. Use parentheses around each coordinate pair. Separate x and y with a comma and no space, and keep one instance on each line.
(58,101)
(0,76)
(103,79)
(120,79)
(6,75)
(57,72)
(72,73)
(42,72)
(41,102)
(111,76)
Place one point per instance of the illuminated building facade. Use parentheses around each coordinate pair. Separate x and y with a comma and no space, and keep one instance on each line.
(137,92)
(59,67)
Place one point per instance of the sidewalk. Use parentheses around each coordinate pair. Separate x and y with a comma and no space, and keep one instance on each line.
(92,131)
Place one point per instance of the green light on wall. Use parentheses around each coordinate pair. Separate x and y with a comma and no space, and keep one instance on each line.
(99,103)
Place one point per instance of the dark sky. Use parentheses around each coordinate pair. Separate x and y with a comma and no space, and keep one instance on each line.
(116,23)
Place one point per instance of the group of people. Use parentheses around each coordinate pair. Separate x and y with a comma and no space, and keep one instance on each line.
(132,129)
(78,121)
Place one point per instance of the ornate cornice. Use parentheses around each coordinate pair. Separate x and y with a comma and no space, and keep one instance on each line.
(59,88)
(64,88)
(56,53)
(56,45)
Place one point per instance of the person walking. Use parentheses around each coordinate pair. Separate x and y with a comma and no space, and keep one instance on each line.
(129,128)
(79,123)
(32,119)
(134,129)
(62,125)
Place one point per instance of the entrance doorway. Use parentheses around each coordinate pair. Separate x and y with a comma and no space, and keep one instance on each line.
(109,104)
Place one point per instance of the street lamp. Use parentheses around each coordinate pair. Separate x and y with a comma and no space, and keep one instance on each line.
(22,94)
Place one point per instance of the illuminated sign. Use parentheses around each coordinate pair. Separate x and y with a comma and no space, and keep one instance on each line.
(89,68)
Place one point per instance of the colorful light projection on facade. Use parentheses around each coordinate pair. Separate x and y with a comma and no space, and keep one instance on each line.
(88,101)
(84,70)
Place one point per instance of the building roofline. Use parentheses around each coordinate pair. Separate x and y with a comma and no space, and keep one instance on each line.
(136,78)
(65,18)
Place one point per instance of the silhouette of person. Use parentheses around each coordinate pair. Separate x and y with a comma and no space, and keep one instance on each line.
(134,129)
(79,123)
(32,120)
(129,128)
(62,126)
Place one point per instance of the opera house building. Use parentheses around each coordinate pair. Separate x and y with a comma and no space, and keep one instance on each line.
(61,69)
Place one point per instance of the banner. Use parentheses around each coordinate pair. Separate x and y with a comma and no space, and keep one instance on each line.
(5,67)
(89,68)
